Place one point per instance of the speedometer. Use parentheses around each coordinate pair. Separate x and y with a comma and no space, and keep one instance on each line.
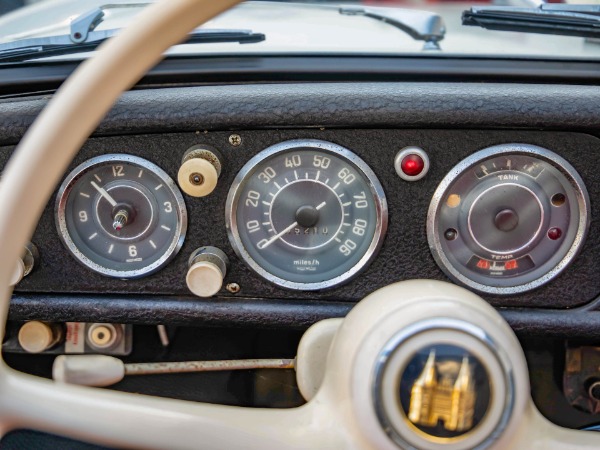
(306,214)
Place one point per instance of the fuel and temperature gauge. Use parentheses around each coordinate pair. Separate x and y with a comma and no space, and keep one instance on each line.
(508,219)
(121,215)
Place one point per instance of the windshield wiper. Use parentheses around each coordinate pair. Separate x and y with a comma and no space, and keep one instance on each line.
(558,19)
(420,25)
(83,38)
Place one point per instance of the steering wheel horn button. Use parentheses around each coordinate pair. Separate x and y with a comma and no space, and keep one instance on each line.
(442,382)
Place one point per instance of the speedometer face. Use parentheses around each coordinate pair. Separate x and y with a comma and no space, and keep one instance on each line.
(508,219)
(306,214)
(121,216)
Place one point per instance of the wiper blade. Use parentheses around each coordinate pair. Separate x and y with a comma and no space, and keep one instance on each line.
(34,48)
(83,39)
(420,25)
(557,19)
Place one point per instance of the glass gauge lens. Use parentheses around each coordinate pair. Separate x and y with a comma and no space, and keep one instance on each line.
(508,218)
(306,214)
(121,216)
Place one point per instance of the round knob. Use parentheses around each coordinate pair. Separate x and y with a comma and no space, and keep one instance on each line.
(24,265)
(36,337)
(199,171)
(102,336)
(197,177)
(207,268)
(18,272)
(204,279)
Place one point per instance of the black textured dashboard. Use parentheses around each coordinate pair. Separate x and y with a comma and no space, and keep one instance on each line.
(404,255)
(374,120)
(448,120)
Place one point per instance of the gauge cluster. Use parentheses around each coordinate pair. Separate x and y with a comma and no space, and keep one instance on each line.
(325,215)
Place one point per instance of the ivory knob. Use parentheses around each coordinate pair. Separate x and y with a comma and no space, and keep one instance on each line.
(36,337)
(24,265)
(18,272)
(207,269)
(197,177)
(200,169)
(204,279)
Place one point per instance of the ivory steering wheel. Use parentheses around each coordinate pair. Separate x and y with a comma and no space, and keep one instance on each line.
(342,411)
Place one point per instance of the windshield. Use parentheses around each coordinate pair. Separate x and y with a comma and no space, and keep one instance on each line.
(318,27)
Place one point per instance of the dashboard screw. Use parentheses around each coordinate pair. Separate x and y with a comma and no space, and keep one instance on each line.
(234,288)
(235,140)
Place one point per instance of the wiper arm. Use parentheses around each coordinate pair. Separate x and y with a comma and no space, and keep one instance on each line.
(55,45)
(557,19)
(83,38)
(420,25)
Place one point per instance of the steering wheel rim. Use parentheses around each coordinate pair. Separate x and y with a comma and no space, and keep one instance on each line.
(28,180)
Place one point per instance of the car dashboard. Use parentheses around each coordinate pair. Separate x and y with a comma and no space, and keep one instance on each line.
(523,156)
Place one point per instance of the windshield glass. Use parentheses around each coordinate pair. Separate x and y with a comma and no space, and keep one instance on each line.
(415,27)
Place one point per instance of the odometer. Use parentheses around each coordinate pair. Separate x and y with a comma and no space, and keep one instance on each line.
(306,214)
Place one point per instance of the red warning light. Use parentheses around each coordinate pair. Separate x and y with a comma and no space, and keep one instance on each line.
(511,265)
(412,165)
(483,264)
(554,233)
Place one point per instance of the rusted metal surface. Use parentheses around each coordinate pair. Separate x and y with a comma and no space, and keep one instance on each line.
(207,366)
(580,378)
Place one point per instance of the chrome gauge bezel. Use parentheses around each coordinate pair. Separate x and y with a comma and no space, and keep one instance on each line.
(61,223)
(312,144)
(559,163)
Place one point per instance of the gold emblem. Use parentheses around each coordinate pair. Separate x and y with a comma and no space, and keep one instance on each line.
(445,391)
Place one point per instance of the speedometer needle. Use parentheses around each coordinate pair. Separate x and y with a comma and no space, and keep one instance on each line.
(285,230)
(105,194)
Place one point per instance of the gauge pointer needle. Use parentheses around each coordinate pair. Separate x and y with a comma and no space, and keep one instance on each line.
(285,230)
(105,194)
